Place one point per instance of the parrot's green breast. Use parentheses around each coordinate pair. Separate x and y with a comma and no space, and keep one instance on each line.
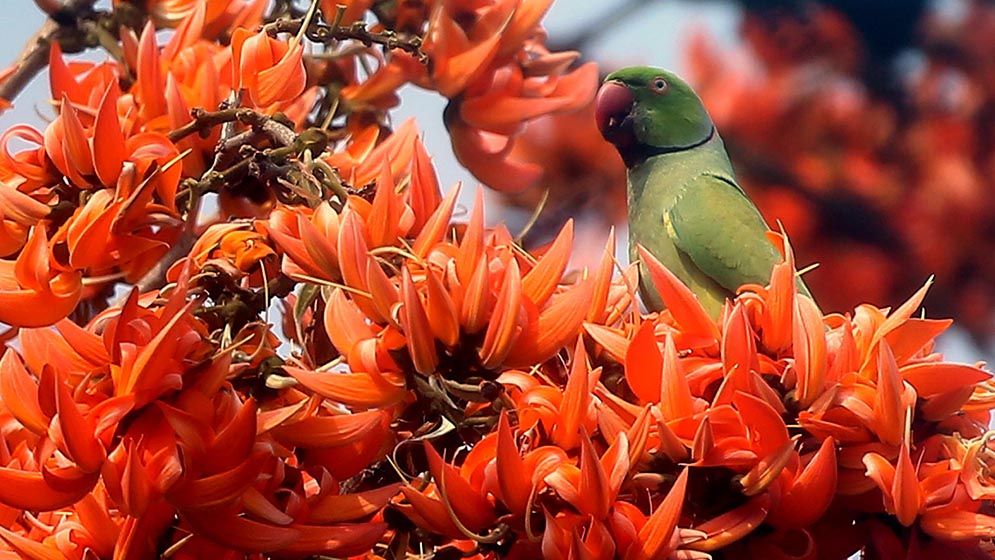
(687,210)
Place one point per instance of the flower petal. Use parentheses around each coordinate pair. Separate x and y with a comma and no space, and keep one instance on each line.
(679,299)
(644,364)
(654,540)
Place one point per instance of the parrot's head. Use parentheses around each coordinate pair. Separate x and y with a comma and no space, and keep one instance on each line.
(645,111)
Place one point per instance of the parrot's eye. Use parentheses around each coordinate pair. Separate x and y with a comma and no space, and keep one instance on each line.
(659,85)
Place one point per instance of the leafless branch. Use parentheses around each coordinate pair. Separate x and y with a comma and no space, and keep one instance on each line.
(203,121)
(62,27)
(323,33)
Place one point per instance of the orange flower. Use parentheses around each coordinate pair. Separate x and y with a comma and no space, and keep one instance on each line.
(494,91)
(234,247)
(530,320)
(269,70)
(484,142)
(28,170)
(709,392)
(18,212)
(34,292)
(218,16)
(307,243)
(379,91)
(173,402)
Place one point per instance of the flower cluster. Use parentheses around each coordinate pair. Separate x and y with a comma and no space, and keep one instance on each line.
(333,364)
(489,60)
(118,176)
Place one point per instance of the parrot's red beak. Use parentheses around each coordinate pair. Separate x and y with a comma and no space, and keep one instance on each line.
(611,109)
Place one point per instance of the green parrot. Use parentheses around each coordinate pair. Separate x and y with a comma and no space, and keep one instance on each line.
(685,206)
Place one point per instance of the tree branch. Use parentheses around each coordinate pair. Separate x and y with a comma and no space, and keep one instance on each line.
(61,26)
(155,278)
(30,62)
(203,121)
(323,33)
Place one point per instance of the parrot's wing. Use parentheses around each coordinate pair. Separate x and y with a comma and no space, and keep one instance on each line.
(722,232)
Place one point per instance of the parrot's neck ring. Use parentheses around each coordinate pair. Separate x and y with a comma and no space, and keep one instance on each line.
(639,153)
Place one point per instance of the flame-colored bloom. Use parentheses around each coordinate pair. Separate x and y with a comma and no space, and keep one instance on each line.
(234,247)
(217,16)
(19,212)
(528,320)
(271,71)
(488,59)
(154,368)
(483,127)
(34,290)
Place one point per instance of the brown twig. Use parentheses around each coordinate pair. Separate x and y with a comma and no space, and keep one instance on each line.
(62,27)
(156,276)
(322,33)
(203,121)
(30,61)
